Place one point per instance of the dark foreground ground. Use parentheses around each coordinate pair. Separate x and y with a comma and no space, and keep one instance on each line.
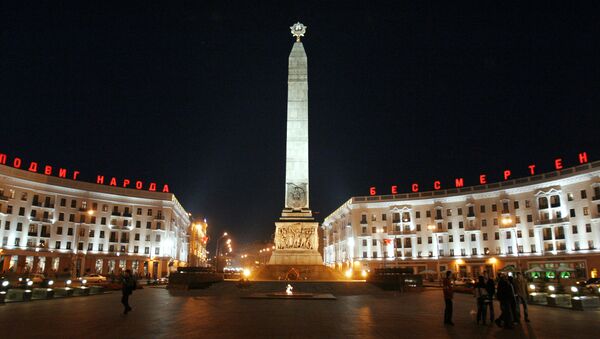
(360,311)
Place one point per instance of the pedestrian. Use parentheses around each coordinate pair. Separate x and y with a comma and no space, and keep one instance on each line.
(521,291)
(128,285)
(514,308)
(504,295)
(491,291)
(481,296)
(448,294)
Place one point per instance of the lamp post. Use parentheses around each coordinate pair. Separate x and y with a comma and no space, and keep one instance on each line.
(217,252)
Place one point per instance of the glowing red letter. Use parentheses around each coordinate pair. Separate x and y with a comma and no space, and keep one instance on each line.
(482,179)
(506,174)
(437,185)
(75,174)
(48,170)
(372,190)
(152,187)
(459,182)
(165,188)
(558,164)
(113,181)
(2,158)
(582,158)
(394,189)
(415,187)
(33,166)
(100,179)
(138,185)
(62,173)
(531,169)
(17,163)
(125,182)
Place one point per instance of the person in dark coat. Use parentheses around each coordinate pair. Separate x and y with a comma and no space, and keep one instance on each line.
(514,308)
(490,287)
(480,292)
(448,294)
(504,295)
(128,285)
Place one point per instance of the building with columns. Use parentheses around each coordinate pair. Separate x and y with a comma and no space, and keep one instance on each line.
(550,220)
(54,225)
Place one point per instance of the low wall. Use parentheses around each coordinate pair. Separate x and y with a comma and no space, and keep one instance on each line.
(193,280)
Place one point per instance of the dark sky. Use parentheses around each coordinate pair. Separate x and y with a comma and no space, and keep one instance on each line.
(194,95)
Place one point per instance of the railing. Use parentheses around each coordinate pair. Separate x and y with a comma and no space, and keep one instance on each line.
(473,228)
(402,232)
(3,197)
(127,215)
(551,221)
(116,214)
(159,217)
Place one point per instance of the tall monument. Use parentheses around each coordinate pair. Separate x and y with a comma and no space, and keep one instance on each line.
(296,236)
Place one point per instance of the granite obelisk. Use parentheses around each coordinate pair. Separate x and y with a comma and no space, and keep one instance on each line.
(296,236)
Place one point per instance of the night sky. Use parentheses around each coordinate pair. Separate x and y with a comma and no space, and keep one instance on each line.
(194,95)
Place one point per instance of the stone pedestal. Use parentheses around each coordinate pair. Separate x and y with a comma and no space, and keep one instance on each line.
(296,240)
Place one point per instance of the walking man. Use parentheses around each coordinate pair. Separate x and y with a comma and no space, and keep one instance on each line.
(491,291)
(448,294)
(128,285)
(505,294)
(521,292)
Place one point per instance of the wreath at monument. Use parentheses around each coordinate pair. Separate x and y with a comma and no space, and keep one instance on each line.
(292,274)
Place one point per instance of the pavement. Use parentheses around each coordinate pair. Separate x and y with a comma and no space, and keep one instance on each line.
(360,311)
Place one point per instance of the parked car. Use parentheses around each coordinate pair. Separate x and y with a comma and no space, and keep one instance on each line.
(36,278)
(467,282)
(593,284)
(93,278)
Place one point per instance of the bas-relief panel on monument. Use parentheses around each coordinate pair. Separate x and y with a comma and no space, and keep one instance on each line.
(296,196)
(296,236)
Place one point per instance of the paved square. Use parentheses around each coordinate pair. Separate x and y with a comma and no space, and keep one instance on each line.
(360,311)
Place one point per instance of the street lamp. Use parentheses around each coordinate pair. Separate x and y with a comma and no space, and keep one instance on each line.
(217,252)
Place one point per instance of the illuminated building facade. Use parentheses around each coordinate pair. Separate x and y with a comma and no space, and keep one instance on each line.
(55,225)
(549,220)
(197,244)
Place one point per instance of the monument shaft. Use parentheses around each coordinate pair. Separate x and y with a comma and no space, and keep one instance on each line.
(296,165)
(296,232)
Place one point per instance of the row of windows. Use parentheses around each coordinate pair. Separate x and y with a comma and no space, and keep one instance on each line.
(33,228)
(90,247)
(546,232)
(73,204)
(560,246)
(542,203)
(484,222)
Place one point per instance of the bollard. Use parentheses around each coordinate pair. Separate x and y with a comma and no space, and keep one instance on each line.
(42,293)
(81,291)
(17,294)
(63,292)
(96,290)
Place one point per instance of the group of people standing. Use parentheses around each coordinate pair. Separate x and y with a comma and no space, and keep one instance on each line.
(510,291)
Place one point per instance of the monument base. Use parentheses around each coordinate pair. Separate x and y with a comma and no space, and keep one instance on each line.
(298,272)
(295,257)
